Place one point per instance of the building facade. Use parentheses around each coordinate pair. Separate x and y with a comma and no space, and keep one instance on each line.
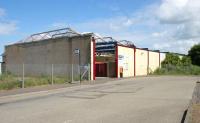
(104,57)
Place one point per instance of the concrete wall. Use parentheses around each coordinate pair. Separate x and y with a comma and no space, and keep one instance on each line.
(141,62)
(126,60)
(38,56)
(153,61)
(162,57)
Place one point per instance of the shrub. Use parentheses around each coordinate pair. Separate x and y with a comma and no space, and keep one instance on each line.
(178,70)
(194,53)
(173,65)
(171,59)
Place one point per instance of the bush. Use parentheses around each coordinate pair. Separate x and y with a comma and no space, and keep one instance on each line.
(186,61)
(194,53)
(173,65)
(178,70)
(171,59)
(195,70)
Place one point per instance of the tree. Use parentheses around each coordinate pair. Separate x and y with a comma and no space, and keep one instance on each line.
(186,61)
(194,53)
(171,59)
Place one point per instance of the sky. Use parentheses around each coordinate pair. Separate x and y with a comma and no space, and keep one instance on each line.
(166,25)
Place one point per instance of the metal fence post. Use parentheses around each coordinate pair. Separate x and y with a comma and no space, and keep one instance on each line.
(88,72)
(72,73)
(80,66)
(52,76)
(6,69)
(23,75)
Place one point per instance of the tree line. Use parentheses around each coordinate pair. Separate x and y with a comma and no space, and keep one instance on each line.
(193,58)
(175,64)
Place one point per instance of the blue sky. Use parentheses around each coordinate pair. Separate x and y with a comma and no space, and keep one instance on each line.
(157,24)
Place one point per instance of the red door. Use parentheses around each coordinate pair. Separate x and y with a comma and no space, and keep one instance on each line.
(101,69)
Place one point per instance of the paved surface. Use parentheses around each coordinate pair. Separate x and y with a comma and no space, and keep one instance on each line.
(136,100)
(52,87)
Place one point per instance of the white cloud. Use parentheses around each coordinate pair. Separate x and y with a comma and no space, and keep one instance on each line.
(172,25)
(173,11)
(128,22)
(163,46)
(2,12)
(159,34)
(6,26)
(184,15)
(109,24)
(182,46)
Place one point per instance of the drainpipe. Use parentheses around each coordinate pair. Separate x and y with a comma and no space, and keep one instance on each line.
(148,63)
(116,59)
(134,61)
(159,59)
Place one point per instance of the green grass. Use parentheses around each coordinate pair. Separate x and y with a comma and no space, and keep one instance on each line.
(36,81)
(8,81)
(61,80)
(9,85)
(178,70)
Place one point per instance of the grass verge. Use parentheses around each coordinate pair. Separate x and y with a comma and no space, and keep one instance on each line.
(8,81)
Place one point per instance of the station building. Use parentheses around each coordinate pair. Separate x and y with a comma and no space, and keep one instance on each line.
(106,56)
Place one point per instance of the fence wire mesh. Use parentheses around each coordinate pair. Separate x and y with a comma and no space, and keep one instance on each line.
(40,74)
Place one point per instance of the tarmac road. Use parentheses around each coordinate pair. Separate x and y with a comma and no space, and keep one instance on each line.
(136,100)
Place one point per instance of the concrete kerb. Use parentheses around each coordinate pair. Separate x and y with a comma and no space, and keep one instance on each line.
(189,118)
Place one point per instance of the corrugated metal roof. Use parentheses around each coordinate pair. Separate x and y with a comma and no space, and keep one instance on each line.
(65,32)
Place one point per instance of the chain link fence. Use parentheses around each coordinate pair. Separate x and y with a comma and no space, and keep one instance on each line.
(41,74)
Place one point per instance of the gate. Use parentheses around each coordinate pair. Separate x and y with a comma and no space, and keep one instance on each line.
(101,69)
